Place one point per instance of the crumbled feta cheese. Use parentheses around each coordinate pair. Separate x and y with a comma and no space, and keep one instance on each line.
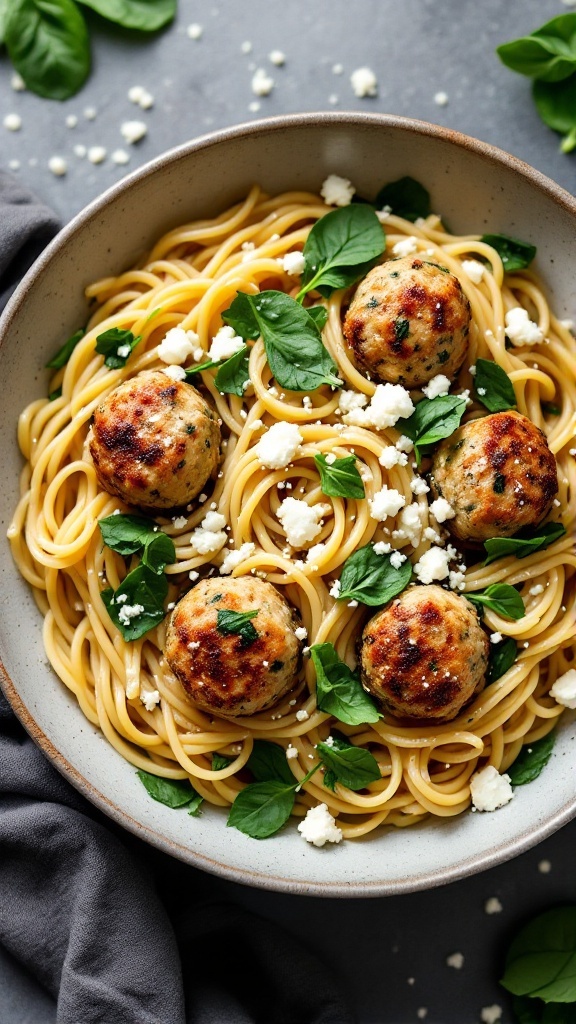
(123,351)
(386,502)
(234,558)
(262,82)
(440,99)
(389,403)
(520,329)
(301,521)
(490,790)
(544,867)
(319,827)
(301,632)
(491,1014)
(129,611)
(405,247)
(351,400)
(194,31)
(277,58)
(433,565)
(337,191)
(396,559)
(493,905)
(474,270)
(315,552)
(442,510)
(536,590)
(390,456)
(495,638)
(90,113)
(291,753)
(278,446)
(419,486)
(330,459)
(410,523)
(364,82)
(150,699)
(302,715)
(455,960)
(174,372)
(210,535)
(405,444)
(439,385)
(139,95)
(80,151)
(17,83)
(293,263)
(225,344)
(120,157)
(177,346)
(564,689)
(456,580)
(193,575)
(335,589)
(58,166)
(12,122)
(180,522)
(382,547)
(133,131)
(96,154)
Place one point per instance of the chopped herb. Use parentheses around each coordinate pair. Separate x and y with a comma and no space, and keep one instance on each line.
(116,345)
(237,623)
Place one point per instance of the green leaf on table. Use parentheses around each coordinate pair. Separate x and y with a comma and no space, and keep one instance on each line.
(406,198)
(514,253)
(531,760)
(3,13)
(261,808)
(502,599)
(556,105)
(137,606)
(548,54)
(341,248)
(338,689)
(353,767)
(371,578)
(432,420)
(63,354)
(116,345)
(47,41)
(268,761)
(502,657)
(144,15)
(493,387)
(170,792)
(233,376)
(237,623)
(541,960)
(540,538)
(340,478)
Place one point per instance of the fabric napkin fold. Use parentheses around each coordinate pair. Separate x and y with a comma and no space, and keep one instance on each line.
(115,931)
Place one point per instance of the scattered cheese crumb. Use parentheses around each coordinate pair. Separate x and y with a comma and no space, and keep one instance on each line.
(13,122)
(291,753)
(405,247)
(536,590)
(96,154)
(442,510)
(389,403)
(491,1014)
(564,689)
(262,83)
(439,385)
(225,344)
(335,588)
(293,263)
(474,270)
(139,95)
(71,121)
(337,191)
(180,522)
(433,565)
(441,99)
(58,166)
(210,535)
(390,457)
(80,150)
(129,611)
(490,790)
(455,960)
(234,558)
(120,157)
(520,329)
(177,346)
(386,502)
(278,446)
(495,638)
(319,827)
(133,131)
(419,486)
(301,632)
(17,83)
(301,522)
(364,82)
(493,905)
(302,715)
(194,31)
(174,372)
(277,57)
(410,523)
(150,700)
(90,113)
(544,867)
(405,444)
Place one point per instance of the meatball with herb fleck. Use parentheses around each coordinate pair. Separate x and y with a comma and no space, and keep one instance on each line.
(408,321)
(154,441)
(498,474)
(232,645)
(425,655)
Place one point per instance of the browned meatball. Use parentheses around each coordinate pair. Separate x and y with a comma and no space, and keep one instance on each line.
(154,441)
(408,321)
(226,668)
(498,474)
(425,654)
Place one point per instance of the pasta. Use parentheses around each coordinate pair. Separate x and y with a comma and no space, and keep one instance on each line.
(191,275)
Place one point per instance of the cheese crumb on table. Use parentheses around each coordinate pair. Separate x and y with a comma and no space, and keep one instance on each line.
(262,82)
(544,867)
(441,99)
(455,960)
(490,790)
(13,122)
(493,905)
(58,166)
(319,827)
(133,131)
(364,82)
(491,1014)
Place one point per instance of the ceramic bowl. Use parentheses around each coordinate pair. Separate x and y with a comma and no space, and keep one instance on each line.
(477,188)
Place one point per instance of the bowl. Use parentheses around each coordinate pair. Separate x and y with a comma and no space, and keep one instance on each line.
(478,188)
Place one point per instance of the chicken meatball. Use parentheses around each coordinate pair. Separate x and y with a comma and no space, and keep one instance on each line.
(230,665)
(425,654)
(154,441)
(498,474)
(408,321)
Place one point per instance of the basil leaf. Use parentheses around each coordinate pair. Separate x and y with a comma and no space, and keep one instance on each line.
(556,105)
(515,254)
(47,41)
(502,657)
(268,762)
(159,552)
(502,599)
(406,198)
(541,961)
(294,348)
(261,808)
(340,479)
(371,578)
(319,315)
(63,354)
(341,248)
(219,762)
(432,420)
(354,767)
(338,690)
(531,760)
(144,15)
(233,373)
(141,589)
(113,345)
(126,534)
(541,538)
(237,623)
(493,387)
(170,792)
(548,54)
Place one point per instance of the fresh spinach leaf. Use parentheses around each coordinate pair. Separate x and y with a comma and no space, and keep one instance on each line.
(354,767)
(502,657)
(170,792)
(294,348)
(515,254)
(548,54)
(541,538)
(191,371)
(371,578)
(63,354)
(556,105)
(53,395)
(237,623)
(341,248)
(261,808)
(233,376)
(502,599)
(493,386)
(268,761)
(338,689)
(531,760)
(159,551)
(47,41)
(432,421)
(144,15)
(137,606)
(319,315)
(219,762)
(3,13)
(116,345)
(541,961)
(340,479)
(406,198)
(129,534)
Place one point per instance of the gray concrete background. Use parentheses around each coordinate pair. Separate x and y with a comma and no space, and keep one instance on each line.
(390,954)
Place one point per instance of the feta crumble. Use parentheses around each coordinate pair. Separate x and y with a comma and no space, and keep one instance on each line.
(442,510)
(495,638)
(58,166)
(441,99)
(235,558)
(301,632)
(410,524)
(194,31)
(278,446)
(390,457)
(493,905)
(520,329)
(405,444)
(433,565)
(225,344)
(177,346)
(120,157)
(474,270)
(301,521)
(291,753)
(386,502)
(133,131)
(455,960)
(150,699)
(210,535)
(336,587)
(564,689)
(419,486)
(389,403)
(337,191)
(130,611)
(174,372)
(405,247)
(293,263)
(262,82)
(491,1014)
(277,58)
(439,385)
(319,827)
(12,122)
(490,790)
(364,82)
(302,715)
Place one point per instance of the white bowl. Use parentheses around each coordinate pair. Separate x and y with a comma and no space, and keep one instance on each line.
(477,188)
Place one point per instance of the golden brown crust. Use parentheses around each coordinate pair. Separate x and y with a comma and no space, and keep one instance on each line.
(498,474)
(408,321)
(425,654)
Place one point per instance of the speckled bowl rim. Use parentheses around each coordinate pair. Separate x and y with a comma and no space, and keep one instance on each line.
(413,883)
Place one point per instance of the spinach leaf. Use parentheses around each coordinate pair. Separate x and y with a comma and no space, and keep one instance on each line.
(338,690)
(340,479)
(262,808)
(159,551)
(502,599)
(170,792)
(406,198)
(548,54)
(138,604)
(63,354)
(493,387)
(354,767)
(319,315)
(144,15)
(341,248)
(47,41)
(237,623)
(53,395)
(531,760)
(541,961)
(556,105)
(541,538)
(268,761)
(219,762)
(371,578)
(129,534)
(191,371)
(233,376)
(515,254)
(294,348)
(116,345)
(502,657)
(432,420)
